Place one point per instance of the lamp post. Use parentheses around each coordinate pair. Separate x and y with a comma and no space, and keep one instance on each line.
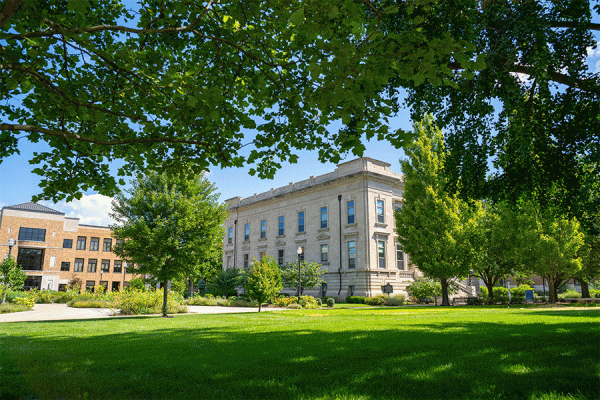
(299,251)
(11,243)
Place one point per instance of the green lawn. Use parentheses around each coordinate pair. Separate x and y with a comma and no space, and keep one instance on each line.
(388,353)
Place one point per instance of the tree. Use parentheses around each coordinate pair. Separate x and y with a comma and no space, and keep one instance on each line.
(495,239)
(263,280)
(157,84)
(590,264)
(12,276)
(167,225)
(226,282)
(551,245)
(423,288)
(433,225)
(310,275)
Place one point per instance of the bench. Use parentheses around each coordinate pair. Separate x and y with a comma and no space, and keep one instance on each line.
(469,301)
(581,300)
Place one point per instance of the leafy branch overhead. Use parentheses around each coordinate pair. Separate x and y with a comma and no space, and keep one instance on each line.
(154,84)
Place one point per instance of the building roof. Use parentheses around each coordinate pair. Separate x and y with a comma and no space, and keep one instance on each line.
(33,207)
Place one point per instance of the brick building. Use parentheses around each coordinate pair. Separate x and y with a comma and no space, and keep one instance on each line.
(53,249)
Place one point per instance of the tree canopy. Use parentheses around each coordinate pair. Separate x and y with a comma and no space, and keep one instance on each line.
(167,225)
(263,280)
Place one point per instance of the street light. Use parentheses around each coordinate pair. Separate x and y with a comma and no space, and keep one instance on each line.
(299,251)
(11,243)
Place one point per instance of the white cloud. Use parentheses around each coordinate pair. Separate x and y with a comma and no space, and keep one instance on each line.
(91,210)
(522,78)
(594,52)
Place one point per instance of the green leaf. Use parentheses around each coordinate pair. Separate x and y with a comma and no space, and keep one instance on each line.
(297,17)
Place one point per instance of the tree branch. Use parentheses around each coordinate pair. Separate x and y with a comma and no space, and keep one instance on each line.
(9,9)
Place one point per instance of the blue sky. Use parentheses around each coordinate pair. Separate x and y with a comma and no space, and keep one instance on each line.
(18,184)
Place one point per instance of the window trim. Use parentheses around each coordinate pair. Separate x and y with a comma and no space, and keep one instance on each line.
(281,225)
(380,217)
(246,232)
(348,215)
(326,253)
(381,244)
(351,265)
(301,226)
(263,229)
(324,221)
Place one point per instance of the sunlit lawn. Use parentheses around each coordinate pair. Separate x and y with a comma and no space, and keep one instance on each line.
(398,353)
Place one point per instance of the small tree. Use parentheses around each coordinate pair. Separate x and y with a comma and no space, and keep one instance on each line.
(591,264)
(263,280)
(12,276)
(423,288)
(167,225)
(310,275)
(226,282)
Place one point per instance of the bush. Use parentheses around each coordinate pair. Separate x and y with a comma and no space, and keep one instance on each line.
(500,295)
(11,295)
(330,302)
(10,308)
(594,293)
(518,294)
(24,301)
(284,301)
(355,299)
(423,288)
(294,306)
(570,294)
(91,304)
(308,302)
(135,302)
(376,300)
(51,296)
(395,300)
(320,302)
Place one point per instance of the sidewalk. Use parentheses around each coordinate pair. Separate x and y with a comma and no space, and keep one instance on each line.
(56,312)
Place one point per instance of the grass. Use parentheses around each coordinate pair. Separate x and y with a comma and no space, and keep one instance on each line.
(10,308)
(369,353)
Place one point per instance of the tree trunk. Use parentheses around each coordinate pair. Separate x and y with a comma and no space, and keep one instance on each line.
(445,299)
(259,304)
(552,290)
(165,293)
(585,288)
(490,287)
(4,295)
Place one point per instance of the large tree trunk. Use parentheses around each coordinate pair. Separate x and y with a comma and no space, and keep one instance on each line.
(585,288)
(259,304)
(165,293)
(553,284)
(490,287)
(445,299)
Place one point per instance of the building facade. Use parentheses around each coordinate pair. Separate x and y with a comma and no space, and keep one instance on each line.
(343,220)
(55,250)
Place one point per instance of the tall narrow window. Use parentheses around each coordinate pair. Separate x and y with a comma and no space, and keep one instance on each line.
(380,211)
(279,257)
(107,245)
(301,222)
(324,252)
(246,232)
(399,257)
(323,217)
(80,243)
(228,262)
(92,264)
(262,255)
(281,226)
(301,256)
(94,244)
(78,266)
(263,229)
(105,266)
(230,235)
(352,254)
(351,212)
(381,253)
(246,260)
(118,267)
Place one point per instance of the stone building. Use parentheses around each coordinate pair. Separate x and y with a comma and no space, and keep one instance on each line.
(53,249)
(343,220)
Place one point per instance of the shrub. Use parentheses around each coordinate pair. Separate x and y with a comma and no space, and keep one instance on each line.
(518,294)
(320,302)
(308,302)
(10,308)
(594,293)
(237,302)
(376,300)
(284,301)
(134,302)
(500,295)
(423,288)
(294,306)
(24,301)
(11,295)
(355,299)
(570,294)
(395,300)
(330,302)
(91,304)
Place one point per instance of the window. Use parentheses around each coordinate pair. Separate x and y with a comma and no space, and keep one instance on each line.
(246,260)
(107,245)
(228,261)
(351,212)
(279,257)
(30,259)
(94,244)
(352,254)
(324,252)
(246,232)
(263,229)
(32,234)
(381,253)
(92,263)
(399,257)
(78,266)
(380,211)
(281,226)
(118,267)
(80,243)
(323,289)
(105,267)
(129,269)
(323,217)
(262,255)
(65,266)
(62,287)
(301,256)
(351,290)
(67,243)
(118,243)
(230,235)
(33,282)
(89,286)
(301,221)
(104,285)
(116,285)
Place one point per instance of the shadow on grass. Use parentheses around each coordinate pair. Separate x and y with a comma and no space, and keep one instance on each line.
(454,360)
